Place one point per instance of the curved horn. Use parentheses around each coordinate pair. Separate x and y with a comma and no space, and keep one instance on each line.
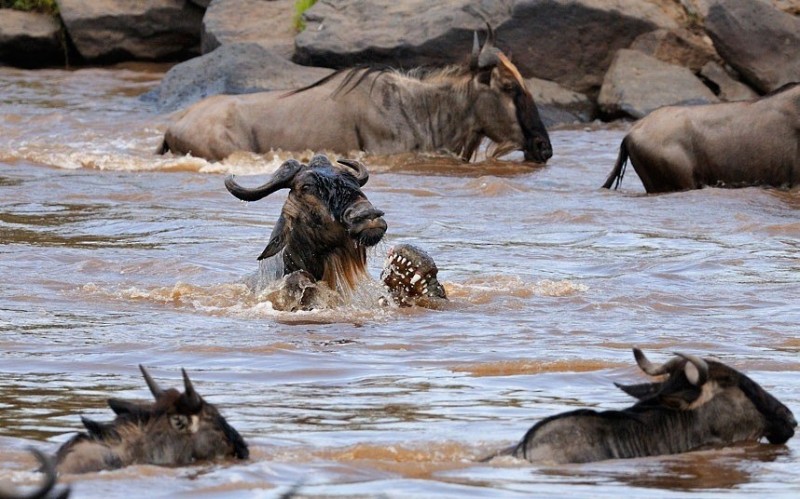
(188,388)
(151,383)
(697,374)
(476,51)
(280,180)
(362,175)
(649,368)
(488,55)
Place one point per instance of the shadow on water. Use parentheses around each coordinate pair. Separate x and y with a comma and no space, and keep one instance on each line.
(724,468)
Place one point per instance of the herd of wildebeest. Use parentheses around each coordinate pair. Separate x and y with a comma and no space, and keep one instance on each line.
(327,223)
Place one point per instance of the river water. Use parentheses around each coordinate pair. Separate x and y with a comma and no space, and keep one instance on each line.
(112,257)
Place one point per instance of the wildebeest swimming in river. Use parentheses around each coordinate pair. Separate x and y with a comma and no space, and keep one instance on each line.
(732,144)
(323,232)
(177,429)
(377,111)
(700,403)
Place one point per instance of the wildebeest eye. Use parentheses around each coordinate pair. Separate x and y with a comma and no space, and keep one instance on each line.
(308,189)
(179,422)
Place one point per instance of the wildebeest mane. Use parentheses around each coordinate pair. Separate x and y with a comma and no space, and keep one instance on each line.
(355,76)
(357,73)
(781,89)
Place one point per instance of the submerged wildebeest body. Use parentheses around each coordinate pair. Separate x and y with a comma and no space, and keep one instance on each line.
(323,232)
(47,490)
(377,111)
(732,144)
(177,429)
(700,403)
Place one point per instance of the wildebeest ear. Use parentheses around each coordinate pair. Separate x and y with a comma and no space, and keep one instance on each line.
(99,430)
(641,391)
(696,369)
(126,408)
(277,239)
(240,449)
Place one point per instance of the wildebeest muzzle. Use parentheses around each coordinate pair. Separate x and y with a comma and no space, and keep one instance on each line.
(364,223)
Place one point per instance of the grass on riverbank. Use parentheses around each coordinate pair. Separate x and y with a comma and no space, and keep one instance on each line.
(301,6)
(43,6)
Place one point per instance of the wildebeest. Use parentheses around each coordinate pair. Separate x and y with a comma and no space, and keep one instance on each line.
(326,224)
(378,111)
(323,232)
(177,429)
(732,144)
(46,490)
(700,403)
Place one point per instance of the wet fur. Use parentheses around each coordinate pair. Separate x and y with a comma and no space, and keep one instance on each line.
(672,416)
(177,429)
(377,110)
(732,144)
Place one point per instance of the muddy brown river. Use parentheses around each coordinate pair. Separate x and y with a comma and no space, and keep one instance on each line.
(112,257)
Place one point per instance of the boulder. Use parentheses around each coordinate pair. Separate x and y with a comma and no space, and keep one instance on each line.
(30,39)
(728,89)
(269,23)
(573,42)
(234,68)
(759,41)
(637,83)
(400,34)
(114,30)
(698,9)
(677,46)
(558,105)
(567,41)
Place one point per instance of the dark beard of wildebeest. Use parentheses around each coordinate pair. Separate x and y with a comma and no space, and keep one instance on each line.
(379,111)
(326,223)
(700,403)
(177,429)
(732,144)
(47,490)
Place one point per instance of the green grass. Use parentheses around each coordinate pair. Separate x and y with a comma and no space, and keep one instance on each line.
(301,6)
(43,6)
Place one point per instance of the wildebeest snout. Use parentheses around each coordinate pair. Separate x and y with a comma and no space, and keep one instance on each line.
(781,426)
(538,150)
(365,223)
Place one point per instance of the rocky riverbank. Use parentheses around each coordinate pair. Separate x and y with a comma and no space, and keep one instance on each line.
(584,59)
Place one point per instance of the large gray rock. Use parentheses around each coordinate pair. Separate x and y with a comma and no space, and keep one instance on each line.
(573,42)
(637,83)
(558,105)
(567,41)
(269,23)
(698,9)
(729,88)
(29,39)
(677,46)
(234,68)
(113,30)
(759,41)
(401,34)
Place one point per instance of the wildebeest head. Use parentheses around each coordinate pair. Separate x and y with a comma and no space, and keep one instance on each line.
(692,382)
(326,222)
(504,105)
(701,402)
(178,428)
